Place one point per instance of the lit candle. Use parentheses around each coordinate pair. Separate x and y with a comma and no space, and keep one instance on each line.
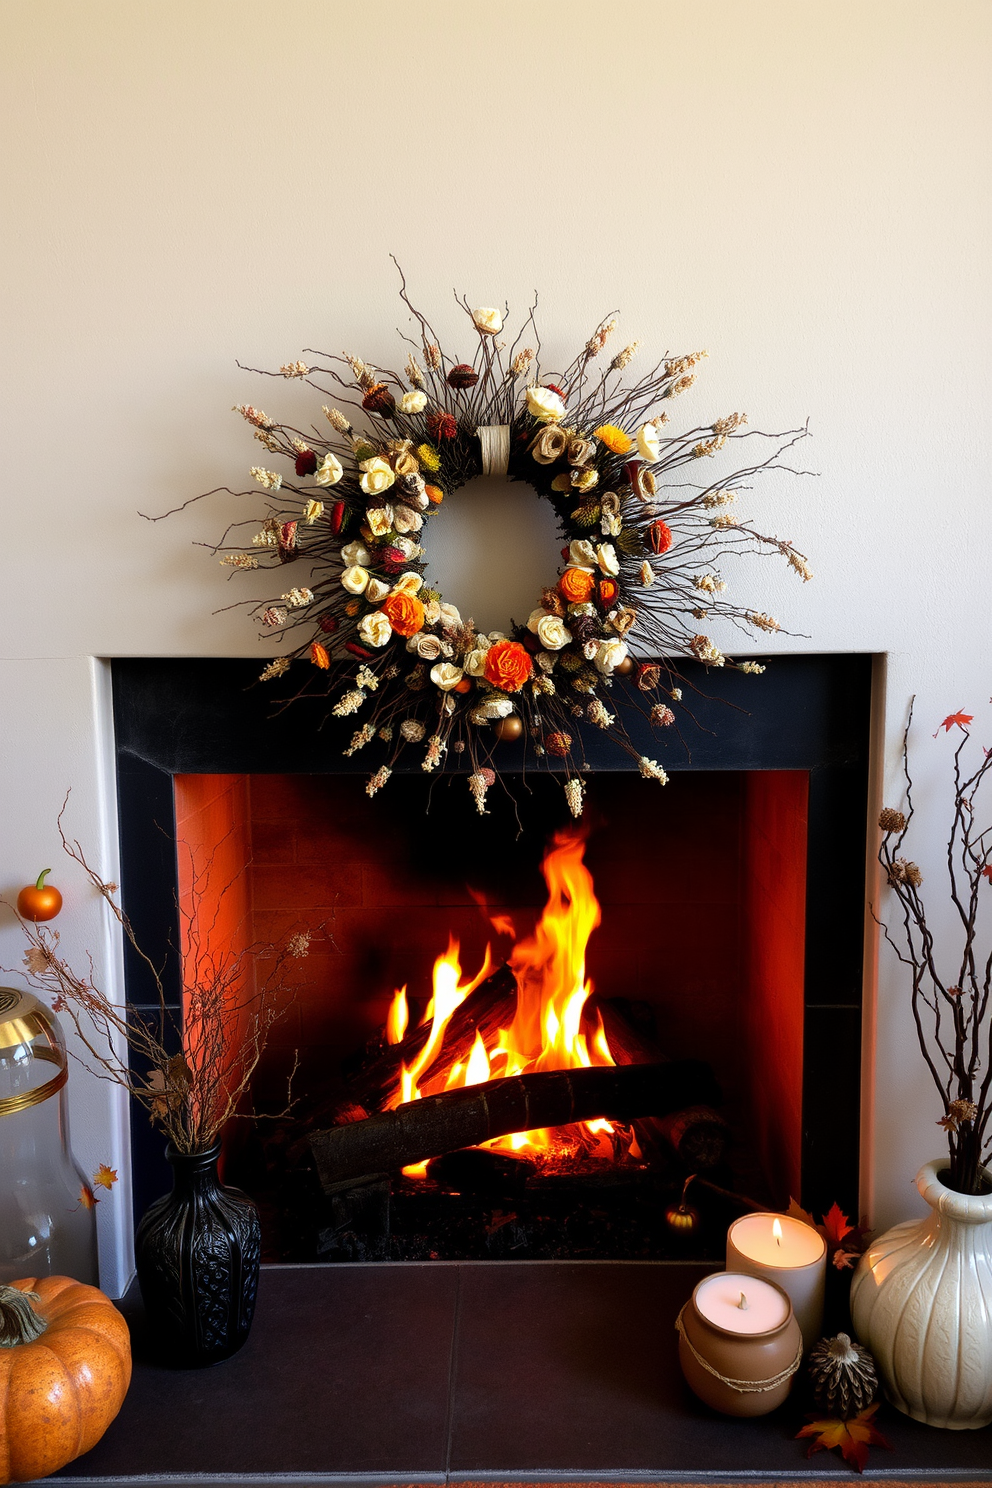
(788,1252)
(739,1344)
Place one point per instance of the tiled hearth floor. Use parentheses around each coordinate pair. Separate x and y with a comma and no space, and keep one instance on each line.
(481,1372)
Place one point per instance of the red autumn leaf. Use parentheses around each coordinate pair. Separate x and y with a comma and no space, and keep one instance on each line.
(987,872)
(961,719)
(87,1197)
(836,1225)
(105,1177)
(853,1438)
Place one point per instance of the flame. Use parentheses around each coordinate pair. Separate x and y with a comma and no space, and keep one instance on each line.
(546,1032)
(777,1231)
(398,1017)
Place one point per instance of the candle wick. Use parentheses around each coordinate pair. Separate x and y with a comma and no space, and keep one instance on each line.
(742,1304)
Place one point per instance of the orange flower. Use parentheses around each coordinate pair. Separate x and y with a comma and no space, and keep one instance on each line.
(508,666)
(435,494)
(614,439)
(608,591)
(404,612)
(319,656)
(576,584)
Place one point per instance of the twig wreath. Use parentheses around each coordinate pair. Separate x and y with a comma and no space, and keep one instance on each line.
(640,558)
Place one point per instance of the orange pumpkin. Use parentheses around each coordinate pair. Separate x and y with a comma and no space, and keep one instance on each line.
(39,901)
(65,1365)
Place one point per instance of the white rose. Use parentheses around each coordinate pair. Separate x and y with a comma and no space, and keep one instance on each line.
(356,552)
(545,405)
(648,442)
(427,647)
(536,616)
(355,579)
(475,662)
(552,634)
(377,477)
(609,656)
(490,321)
(432,612)
(414,402)
(450,615)
(581,554)
(330,472)
(376,591)
(405,519)
(446,676)
(606,557)
(408,583)
(407,547)
(380,520)
(609,524)
(375,629)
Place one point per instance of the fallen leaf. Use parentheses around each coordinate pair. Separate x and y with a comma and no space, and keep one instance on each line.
(961,719)
(105,1177)
(796,1211)
(852,1438)
(87,1197)
(987,872)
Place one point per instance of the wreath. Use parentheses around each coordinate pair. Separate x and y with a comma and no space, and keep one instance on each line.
(640,563)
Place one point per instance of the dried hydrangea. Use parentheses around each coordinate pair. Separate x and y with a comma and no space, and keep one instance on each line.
(367,678)
(412,730)
(378,780)
(297,599)
(651,770)
(270,479)
(598,715)
(275,668)
(350,703)
(661,716)
(273,615)
(478,783)
(432,758)
(360,738)
(574,793)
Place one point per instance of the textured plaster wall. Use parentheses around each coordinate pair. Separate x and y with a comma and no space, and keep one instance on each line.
(802,188)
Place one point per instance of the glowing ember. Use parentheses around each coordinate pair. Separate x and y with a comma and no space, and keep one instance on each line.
(546,1032)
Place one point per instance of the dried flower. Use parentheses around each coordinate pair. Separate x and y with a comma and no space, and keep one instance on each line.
(359,739)
(709,583)
(478,783)
(432,356)
(365,677)
(275,668)
(623,357)
(364,375)
(558,743)
(337,419)
(754,667)
(378,780)
(462,375)
(724,426)
(600,337)
(648,443)
(414,402)
(648,574)
(270,479)
(648,676)
(329,471)
(719,498)
(522,361)
(901,871)
(661,716)
(489,322)
(441,426)
(273,615)
(763,622)
(724,520)
(891,820)
(660,537)
(549,445)
(349,703)
(958,1111)
(319,655)
(414,375)
(614,439)
(435,748)
(708,447)
(374,629)
(574,791)
(295,369)
(297,598)
(38,959)
(378,399)
(412,730)
(545,404)
(239,560)
(703,648)
(798,562)
(428,457)
(598,715)
(651,770)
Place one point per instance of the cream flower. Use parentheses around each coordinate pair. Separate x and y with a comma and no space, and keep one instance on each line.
(267,478)
(581,554)
(408,583)
(609,655)
(648,443)
(355,579)
(583,480)
(450,615)
(610,524)
(606,557)
(405,519)
(489,321)
(377,476)
(312,511)
(446,676)
(414,402)
(376,591)
(475,661)
(375,629)
(544,405)
(407,547)
(355,552)
(380,520)
(424,645)
(329,472)
(432,612)
(552,633)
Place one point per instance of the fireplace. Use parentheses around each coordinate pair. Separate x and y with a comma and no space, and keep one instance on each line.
(731,906)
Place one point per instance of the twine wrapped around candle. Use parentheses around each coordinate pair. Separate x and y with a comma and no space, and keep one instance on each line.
(744,1387)
(495,442)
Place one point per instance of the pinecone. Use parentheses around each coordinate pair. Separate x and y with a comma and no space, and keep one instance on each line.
(630,542)
(379,400)
(842,1376)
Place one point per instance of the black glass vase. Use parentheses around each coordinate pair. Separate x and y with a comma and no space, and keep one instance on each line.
(197,1252)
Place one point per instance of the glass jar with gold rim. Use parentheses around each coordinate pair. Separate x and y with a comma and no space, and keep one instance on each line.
(47,1224)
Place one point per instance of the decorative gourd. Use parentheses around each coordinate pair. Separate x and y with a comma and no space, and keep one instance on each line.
(65,1365)
(39,901)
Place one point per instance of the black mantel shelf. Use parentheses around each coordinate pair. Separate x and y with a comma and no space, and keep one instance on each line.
(473,1372)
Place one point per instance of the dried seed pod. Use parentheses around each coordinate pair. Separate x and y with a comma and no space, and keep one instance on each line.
(559,744)
(462,376)
(842,1376)
(379,399)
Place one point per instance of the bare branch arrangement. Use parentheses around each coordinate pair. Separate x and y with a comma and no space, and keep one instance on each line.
(643,543)
(950,1003)
(197,1068)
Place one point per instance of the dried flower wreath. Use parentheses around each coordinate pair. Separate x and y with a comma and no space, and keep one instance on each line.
(640,550)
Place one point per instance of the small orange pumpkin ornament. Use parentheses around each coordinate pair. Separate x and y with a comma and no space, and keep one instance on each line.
(65,1365)
(39,901)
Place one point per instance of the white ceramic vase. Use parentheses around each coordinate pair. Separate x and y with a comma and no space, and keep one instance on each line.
(921,1300)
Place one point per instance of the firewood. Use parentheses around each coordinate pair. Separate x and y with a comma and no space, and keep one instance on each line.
(465,1118)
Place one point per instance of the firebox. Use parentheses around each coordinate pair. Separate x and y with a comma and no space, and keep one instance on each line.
(517,1036)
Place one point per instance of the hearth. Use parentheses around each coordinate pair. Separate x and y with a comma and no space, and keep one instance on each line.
(718,1026)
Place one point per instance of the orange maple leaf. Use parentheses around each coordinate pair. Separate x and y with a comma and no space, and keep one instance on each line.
(105,1177)
(852,1437)
(87,1197)
(956,718)
(987,872)
(836,1225)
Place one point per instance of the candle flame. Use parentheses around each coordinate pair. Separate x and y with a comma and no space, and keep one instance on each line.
(742,1304)
(777,1231)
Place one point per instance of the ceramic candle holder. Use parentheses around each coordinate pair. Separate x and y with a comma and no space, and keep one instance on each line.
(739,1359)
(797,1262)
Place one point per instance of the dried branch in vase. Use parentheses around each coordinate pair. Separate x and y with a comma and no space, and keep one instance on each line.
(194,1071)
(950,997)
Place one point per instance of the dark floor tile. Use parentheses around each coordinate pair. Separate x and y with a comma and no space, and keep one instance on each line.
(346,1371)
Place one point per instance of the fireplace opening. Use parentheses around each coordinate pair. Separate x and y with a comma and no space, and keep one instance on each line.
(712,934)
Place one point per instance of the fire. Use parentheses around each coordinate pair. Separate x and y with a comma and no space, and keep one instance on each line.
(546,1032)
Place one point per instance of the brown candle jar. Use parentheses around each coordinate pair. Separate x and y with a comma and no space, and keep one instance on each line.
(740,1374)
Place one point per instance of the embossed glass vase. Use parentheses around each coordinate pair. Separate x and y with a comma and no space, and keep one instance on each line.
(921,1300)
(197,1253)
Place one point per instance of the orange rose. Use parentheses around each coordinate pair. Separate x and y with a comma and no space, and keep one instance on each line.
(576,585)
(507,666)
(404,612)
(608,591)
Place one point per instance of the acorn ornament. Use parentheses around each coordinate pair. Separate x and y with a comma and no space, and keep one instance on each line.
(842,1377)
(681,1218)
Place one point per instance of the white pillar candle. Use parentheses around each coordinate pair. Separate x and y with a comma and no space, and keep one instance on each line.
(786,1251)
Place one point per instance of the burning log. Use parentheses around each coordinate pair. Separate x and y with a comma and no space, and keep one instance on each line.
(465,1118)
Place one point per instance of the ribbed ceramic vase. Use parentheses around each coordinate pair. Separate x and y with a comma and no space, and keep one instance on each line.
(197,1252)
(921,1300)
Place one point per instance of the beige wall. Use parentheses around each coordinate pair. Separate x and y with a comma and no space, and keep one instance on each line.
(802,188)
